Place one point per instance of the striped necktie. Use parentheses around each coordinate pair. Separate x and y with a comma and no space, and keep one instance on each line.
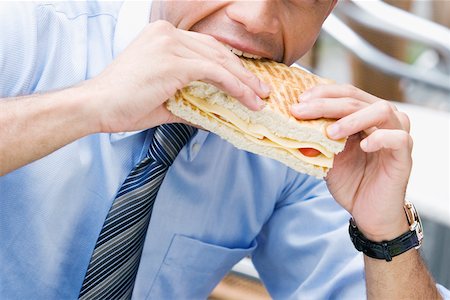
(114,263)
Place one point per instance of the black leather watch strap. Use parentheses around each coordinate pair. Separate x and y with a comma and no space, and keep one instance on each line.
(383,250)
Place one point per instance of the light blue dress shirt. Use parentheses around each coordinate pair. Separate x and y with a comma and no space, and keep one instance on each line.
(216,205)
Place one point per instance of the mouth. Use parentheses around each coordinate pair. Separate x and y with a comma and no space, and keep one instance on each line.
(242,53)
(244,49)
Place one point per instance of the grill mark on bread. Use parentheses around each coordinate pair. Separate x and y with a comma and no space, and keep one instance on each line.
(290,82)
(287,85)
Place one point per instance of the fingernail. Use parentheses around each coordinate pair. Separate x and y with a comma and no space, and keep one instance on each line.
(333,130)
(364,143)
(264,87)
(260,102)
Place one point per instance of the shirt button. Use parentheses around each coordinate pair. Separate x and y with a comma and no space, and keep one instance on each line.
(195,148)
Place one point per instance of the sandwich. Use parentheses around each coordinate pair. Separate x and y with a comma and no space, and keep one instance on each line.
(273,132)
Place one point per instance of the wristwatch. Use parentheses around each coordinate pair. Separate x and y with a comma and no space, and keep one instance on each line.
(388,249)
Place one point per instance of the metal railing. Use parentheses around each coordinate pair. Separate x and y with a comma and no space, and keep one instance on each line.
(388,19)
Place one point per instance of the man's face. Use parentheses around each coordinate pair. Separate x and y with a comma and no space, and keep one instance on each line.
(282,30)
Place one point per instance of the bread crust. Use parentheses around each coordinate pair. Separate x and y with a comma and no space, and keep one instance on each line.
(287,83)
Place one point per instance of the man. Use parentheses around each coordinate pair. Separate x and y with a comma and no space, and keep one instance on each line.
(97,76)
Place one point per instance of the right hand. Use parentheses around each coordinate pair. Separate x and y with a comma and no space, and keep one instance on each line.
(129,94)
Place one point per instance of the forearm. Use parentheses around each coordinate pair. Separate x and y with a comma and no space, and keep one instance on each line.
(405,277)
(33,126)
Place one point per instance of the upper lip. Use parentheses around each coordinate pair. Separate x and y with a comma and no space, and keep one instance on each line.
(242,46)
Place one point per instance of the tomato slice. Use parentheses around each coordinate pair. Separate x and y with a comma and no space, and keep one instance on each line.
(311,152)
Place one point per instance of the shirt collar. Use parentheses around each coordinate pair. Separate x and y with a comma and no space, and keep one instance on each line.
(133,17)
(193,146)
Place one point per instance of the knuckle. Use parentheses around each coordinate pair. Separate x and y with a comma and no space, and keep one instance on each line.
(393,107)
(407,142)
(161,25)
(404,120)
(404,138)
(165,41)
(243,93)
(385,107)
(350,90)
(249,76)
(318,104)
(353,104)
(315,91)
(222,58)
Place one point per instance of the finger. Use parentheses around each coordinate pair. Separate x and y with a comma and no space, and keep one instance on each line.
(369,131)
(397,140)
(208,47)
(404,120)
(196,67)
(338,91)
(379,114)
(327,108)
(217,75)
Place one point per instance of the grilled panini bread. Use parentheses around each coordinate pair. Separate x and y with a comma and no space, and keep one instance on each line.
(273,131)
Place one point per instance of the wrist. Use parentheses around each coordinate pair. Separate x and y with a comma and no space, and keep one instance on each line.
(78,110)
(388,245)
(84,101)
(388,232)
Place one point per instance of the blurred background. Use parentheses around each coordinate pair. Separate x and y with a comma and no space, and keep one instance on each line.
(398,50)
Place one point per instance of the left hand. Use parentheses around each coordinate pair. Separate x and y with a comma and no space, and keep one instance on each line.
(370,176)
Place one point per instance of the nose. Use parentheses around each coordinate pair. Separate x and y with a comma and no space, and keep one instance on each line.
(257,16)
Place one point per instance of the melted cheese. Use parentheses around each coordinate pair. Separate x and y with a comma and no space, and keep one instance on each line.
(259,134)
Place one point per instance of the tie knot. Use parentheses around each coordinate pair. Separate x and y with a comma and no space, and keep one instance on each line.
(168,140)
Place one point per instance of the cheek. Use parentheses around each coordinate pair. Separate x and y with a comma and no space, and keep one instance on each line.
(305,22)
(300,38)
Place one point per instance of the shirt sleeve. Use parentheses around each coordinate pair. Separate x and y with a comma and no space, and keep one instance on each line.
(304,249)
(445,293)
(18,45)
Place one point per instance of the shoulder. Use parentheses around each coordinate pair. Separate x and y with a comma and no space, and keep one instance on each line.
(24,10)
(16,17)
(22,17)
(18,40)
(37,35)
(75,9)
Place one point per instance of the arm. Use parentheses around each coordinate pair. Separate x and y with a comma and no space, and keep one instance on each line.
(405,277)
(128,95)
(369,180)
(34,126)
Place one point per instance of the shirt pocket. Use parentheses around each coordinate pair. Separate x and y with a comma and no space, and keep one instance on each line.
(192,268)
